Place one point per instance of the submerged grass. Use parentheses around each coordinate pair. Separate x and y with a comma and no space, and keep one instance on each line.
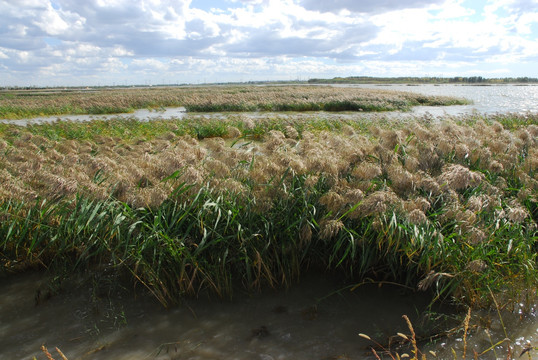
(449,206)
(27,103)
(462,339)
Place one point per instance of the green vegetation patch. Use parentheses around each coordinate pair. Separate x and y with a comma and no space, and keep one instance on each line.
(188,206)
(27,103)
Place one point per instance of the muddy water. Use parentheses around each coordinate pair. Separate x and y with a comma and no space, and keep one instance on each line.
(319,318)
(491,335)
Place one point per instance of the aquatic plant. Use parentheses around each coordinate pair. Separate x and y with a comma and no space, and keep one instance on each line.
(27,103)
(418,346)
(181,213)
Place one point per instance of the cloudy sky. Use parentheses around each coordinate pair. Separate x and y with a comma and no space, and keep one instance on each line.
(123,42)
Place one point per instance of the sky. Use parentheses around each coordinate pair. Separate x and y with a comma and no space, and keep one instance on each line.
(151,42)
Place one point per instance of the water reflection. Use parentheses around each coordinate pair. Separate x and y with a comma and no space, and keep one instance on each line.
(316,319)
(486,99)
(319,318)
(141,114)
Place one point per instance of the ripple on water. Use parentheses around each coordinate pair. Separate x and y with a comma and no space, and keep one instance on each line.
(245,328)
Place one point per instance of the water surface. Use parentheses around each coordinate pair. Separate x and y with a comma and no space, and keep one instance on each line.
(319,318)
(486,99)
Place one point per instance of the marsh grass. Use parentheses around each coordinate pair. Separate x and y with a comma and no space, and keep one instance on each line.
(26,104)
(48,355)
(176,207)
(461,340)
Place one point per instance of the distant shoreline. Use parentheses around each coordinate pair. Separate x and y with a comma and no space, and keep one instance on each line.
(472,80)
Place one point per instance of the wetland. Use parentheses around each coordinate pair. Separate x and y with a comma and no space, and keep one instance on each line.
(211,223)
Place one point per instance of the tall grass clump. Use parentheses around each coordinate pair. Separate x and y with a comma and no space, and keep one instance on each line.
(26,103)
(182,208)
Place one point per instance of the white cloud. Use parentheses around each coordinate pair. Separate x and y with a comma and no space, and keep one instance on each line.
(50,22)
(256,39)
(366,6)
(148,64)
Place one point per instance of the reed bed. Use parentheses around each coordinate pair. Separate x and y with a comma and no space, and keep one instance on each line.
(189,206)
(28,103)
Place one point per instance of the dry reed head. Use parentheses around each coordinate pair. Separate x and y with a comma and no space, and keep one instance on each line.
(262,201)
(477,202)
(325,163)
(329,228)
(348,131)
(417,217)
(215,144)
(411,164)
(498,146)
(422,134)
(466,219)
(496,167)
(366,171)
(427,183)
(419,203)
(476,236)
(477,266)
(216,168)
(168,136)
(402,180)
(524,136)
(353,196)
(192,175)
(28,146)
(384,155)
(233,132)
(147,197)
(445,146)
(274,139)
(248,123)
(461,151)
(531,161)
(333,201)
(377,203)
(458,177)
(291,132)
(428,159)
(232,186)
(497,127)
(517,214)
(390,138)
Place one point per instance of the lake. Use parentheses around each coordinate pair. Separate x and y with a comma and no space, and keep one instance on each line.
(486,99)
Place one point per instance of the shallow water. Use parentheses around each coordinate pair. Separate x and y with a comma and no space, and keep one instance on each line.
(140,114)
(319,318)
(316,319)
(486,99)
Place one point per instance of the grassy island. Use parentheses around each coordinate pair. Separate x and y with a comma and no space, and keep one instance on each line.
(17,104)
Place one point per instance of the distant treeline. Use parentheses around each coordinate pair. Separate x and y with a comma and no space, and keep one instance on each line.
(423,80)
